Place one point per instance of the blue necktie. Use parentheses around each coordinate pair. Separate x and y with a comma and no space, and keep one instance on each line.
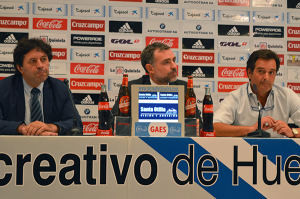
(36,110)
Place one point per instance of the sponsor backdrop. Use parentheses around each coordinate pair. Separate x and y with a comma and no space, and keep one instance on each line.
(148,167)
(96,42)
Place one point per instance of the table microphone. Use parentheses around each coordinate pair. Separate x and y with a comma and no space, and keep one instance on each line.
(74,130)
(258,132)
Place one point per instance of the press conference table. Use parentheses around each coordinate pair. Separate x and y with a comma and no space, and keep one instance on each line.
(148,167)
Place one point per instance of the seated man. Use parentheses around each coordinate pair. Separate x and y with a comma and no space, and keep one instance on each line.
(237,114)
(31,102)
(158,60)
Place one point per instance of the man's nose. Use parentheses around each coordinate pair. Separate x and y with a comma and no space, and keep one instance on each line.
(39,64)
(173,65)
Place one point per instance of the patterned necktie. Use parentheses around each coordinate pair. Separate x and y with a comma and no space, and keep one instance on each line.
(36,110)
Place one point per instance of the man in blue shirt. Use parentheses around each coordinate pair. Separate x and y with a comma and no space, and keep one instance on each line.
(238,113)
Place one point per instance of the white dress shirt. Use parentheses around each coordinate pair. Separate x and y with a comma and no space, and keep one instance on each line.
(240,107)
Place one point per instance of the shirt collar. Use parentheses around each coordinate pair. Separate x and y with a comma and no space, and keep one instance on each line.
(28,88)
(153,83)
(250,92)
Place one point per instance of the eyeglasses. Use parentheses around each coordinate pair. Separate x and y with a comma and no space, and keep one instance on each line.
(265,109)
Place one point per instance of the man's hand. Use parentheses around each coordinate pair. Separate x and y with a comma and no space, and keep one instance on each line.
(282,128)
(40,128)
(266,123)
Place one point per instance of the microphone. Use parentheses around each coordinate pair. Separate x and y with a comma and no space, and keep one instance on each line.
(74,130)
(258,132)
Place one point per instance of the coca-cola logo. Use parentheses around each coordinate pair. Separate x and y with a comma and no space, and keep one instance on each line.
(172,42)
(103,106)
(232,72)
(208,108)
(87,68)
(90,128)
(45,23)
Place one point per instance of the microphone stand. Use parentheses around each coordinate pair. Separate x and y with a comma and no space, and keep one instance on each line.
(75,131)
(258,132)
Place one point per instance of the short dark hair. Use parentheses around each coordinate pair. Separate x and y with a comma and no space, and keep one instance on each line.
(147,56)
(25,45)
(262,54)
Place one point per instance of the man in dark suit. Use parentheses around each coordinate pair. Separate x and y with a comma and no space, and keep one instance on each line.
(158,60)
(50,110)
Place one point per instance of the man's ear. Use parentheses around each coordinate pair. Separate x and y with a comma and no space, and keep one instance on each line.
(149,68)
(249,73)
(19,68)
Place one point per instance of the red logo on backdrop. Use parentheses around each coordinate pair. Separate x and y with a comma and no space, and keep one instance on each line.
(59,53)
(50,24)
(87,69)
(293,31)
(281,58)
(229,86)
(86,84)
(128,0)
(232,72)
(172,42)
(293,46)
(125,55)
(14,22)
(90,127)
(234,2)
(88,25)
(195,57)
(294,86)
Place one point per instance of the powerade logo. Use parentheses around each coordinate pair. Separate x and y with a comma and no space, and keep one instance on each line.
(268,31)
(87,40)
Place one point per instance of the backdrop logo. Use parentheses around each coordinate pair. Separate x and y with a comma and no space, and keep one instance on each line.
(90,128)
(229,86)
(172,42)
(86,84)
(268,31)
(293,45)
(128,0)
(59,53)
(234,3)
(50,24)
(294,86)
(125,55)
(198,72)
(125,26)
(233,30)
(293,32)
(88,25)
(14,22)
(87,40)
(232,72)
(11,37)
(198,44)
(193,57)
(87,69)
(163,1)
(7,67)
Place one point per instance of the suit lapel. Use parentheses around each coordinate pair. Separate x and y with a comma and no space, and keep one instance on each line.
(20,98)
(47,102)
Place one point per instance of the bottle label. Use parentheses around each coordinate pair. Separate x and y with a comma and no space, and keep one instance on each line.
(102,106)
(190,106)
(207,134)
(208,108)
(124,104)
(100,132)
(125,81)
(190,83)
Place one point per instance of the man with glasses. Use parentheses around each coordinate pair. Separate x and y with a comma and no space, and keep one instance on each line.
(237,115)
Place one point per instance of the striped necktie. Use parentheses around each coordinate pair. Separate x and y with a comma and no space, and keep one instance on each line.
(36,110)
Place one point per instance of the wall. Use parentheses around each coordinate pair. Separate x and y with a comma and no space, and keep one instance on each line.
(96,41)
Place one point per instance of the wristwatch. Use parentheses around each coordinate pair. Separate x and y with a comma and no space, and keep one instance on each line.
(295,131)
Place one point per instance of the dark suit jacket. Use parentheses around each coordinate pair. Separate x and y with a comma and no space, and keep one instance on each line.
(145,79)
(57,106)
